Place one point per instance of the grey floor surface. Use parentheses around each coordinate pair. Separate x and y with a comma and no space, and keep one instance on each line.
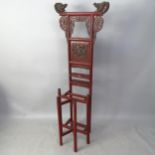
(39,137)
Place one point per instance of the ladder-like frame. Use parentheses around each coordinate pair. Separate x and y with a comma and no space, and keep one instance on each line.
(80,55)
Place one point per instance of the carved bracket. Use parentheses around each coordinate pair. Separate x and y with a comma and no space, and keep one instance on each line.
(98,23)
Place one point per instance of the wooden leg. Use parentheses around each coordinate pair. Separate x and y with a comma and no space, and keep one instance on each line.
(88,120)
(71,112)
(75,126)
(90,110)
(59,111)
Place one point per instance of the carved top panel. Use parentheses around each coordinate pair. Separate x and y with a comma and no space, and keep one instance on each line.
(101,8)
(68,23)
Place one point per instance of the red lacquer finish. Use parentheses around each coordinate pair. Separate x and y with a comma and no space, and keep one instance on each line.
(80,55)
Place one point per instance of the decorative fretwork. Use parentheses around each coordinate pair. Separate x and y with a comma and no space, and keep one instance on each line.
(67,24)
(98,23)
(79,51)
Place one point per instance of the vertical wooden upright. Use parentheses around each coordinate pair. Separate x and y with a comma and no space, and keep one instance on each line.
(80,55)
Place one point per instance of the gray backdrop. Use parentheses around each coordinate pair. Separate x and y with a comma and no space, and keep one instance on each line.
(33,59)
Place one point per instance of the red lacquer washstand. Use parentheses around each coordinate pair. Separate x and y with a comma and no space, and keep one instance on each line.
(80,55)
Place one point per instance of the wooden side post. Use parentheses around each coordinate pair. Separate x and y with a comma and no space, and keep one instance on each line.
(59,111)
(88,119)
(75,125)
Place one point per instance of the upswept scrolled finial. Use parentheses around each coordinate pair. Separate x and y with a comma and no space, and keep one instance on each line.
(60,8)
(102,7)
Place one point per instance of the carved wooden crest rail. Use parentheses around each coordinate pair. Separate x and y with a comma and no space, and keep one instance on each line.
(80,55)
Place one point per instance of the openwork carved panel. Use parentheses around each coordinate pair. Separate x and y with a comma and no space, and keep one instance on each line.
(65,24)
(68,24)
(80,52)
(98,23)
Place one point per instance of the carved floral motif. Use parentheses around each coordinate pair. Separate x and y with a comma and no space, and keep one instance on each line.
(98,23)
(79,51)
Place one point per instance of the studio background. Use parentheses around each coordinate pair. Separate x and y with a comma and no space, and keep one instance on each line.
(33,64)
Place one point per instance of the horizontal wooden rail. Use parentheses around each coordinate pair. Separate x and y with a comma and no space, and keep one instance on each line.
(80,75)
(80,83)
(67,132)
(81,125)
(68,121)
(80,64)
(81,39)
(65,102)
(80,14)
